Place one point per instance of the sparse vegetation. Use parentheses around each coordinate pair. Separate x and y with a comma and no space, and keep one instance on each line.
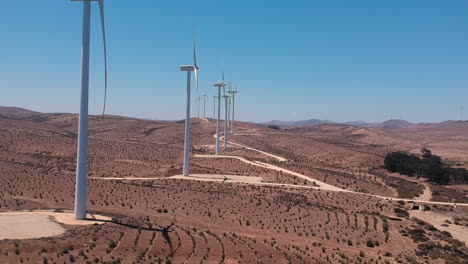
(181,221)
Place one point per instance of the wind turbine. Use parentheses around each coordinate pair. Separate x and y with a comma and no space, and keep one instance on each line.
(219,86)
(233,96)
(204,104)
(214,107)
(81,188)
(228,93)
(197,101)
(226,98)
(461,113)
(189,69)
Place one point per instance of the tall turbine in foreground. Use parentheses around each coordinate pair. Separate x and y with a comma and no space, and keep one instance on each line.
(189,69)
(219,86)
(81,189)
(233,98)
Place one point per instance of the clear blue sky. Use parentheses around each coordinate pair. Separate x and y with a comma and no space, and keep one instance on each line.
(330,59)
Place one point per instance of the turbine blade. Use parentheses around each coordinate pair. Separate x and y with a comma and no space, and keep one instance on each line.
(195,58)
(194,48)
(222,70)
(101,9)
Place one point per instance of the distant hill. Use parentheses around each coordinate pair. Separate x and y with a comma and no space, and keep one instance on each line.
(392,124)
(387,125)
(357,123)
(25,114)
(455,129)
(314,122)
(448,128)
(299,123)
(20,113)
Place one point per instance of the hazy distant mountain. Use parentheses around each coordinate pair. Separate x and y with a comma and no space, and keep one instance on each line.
(314,122)
(299,123)
(392,124)
(453,129)
(357,123)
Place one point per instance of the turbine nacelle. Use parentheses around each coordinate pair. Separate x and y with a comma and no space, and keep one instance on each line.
(188,68)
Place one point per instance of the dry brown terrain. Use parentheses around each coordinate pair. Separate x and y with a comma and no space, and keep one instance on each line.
(286,213)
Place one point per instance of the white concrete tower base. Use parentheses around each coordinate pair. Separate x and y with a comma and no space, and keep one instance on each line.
(81,191)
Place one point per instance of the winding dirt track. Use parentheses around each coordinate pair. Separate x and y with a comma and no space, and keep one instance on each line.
(427,193)
(322,185)
(253,149)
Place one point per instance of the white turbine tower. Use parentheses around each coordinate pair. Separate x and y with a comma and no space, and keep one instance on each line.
(226,121)
(204,104)
(81,189)
(214,107)
(219,86)
(189,69)
(233,96)
(197,101)
(228,93)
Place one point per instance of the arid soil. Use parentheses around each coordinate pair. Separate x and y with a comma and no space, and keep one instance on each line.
(41,223)
(26,226)
(278,216)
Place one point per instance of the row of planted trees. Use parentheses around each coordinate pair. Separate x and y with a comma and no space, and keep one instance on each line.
(429,166)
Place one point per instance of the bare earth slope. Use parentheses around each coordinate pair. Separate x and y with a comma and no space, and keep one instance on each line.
(277,216)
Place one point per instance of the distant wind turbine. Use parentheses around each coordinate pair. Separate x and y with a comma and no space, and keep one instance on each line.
(189,69)
(197,101)
(204,104)
(228,93)
(233,96)
(461,113)
(81,189)
(226,121)
(219,86)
